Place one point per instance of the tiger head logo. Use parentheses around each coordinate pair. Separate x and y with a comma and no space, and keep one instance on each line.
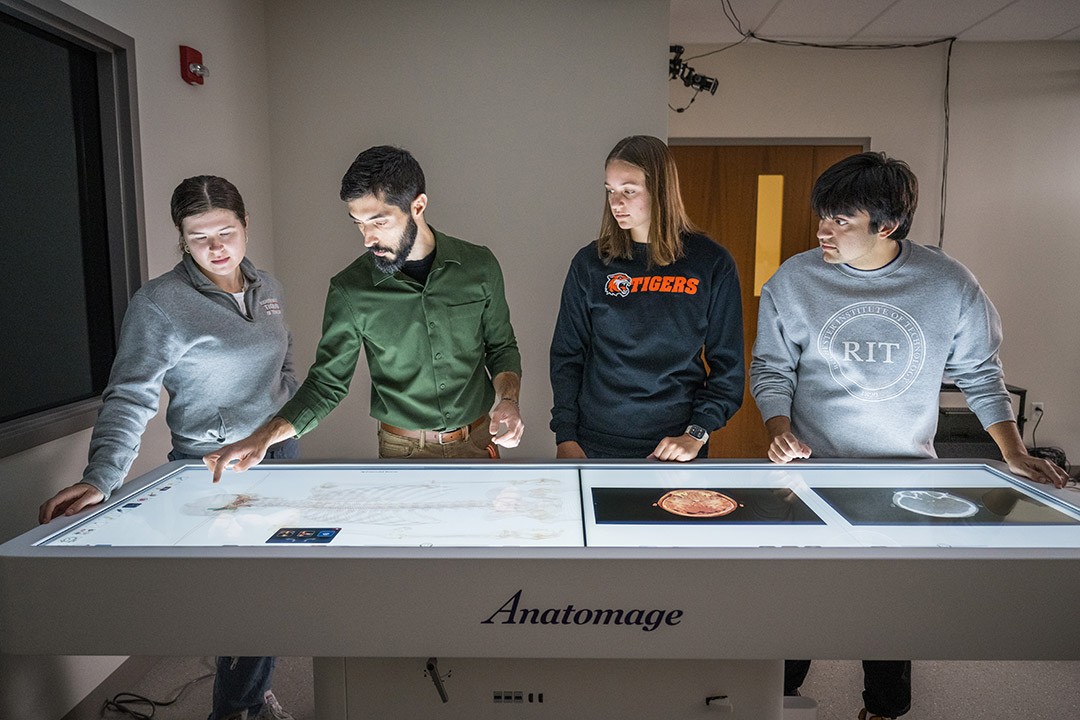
(618,284)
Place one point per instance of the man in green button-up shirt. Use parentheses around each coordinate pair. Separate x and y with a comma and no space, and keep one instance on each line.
(429,311)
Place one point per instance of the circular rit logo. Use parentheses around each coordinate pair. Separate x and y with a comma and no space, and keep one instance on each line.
(875,351)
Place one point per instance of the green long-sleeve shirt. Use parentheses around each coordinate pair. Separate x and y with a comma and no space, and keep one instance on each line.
(431,349)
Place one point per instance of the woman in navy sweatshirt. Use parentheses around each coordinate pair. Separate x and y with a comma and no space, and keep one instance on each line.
(646,308)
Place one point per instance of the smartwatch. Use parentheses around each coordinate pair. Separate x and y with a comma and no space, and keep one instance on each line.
(697,432)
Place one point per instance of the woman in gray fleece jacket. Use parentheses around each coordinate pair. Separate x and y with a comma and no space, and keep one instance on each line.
(212,332)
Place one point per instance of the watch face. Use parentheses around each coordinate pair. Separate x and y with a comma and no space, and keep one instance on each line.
(697,432)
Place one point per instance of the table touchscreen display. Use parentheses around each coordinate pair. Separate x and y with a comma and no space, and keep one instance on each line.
(808,505)
(341,505)
(600,505)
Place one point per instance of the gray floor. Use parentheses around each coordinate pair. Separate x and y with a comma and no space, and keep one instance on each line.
(945,690)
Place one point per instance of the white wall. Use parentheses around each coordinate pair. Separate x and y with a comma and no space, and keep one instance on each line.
(1014,213)
(510,108)
(220,128)
(1014,170)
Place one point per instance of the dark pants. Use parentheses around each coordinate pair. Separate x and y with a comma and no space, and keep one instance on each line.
(241,682)
(886,683)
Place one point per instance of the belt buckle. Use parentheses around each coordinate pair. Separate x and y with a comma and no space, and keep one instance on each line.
(462,430)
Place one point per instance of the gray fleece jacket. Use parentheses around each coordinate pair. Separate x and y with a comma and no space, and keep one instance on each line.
(855,358)
(225,373)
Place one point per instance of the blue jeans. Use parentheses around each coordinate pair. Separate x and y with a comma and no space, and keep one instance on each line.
(241,683)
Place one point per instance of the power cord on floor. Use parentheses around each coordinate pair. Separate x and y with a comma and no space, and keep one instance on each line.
(143,708)
(1054,454)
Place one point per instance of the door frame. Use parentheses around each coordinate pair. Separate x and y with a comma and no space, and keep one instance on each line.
(864,141)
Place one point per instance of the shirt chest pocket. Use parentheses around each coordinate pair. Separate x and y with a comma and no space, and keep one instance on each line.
(466,324)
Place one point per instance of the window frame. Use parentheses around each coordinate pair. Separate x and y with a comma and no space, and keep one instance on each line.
(122,173)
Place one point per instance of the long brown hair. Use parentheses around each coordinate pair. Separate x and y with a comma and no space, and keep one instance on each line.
(652,156)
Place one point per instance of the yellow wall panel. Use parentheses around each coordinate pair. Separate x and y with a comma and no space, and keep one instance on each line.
(770,218)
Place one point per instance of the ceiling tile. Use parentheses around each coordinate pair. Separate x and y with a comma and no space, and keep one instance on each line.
(703,21)
(828,20)
(922,19)
(1028,20)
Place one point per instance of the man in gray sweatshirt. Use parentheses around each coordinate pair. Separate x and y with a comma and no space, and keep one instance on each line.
(852,344)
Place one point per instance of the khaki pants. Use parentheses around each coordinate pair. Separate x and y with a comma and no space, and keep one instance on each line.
(477,445)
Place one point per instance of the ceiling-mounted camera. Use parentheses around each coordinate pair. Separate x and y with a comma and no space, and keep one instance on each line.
(675,63)
(679,70)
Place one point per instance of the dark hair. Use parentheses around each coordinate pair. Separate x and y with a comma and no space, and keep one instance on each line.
(871,182)
(668,216)
(389,173)
(203,193)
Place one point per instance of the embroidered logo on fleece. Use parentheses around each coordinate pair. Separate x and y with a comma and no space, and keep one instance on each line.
(621,284)
(271,306)
(875,350)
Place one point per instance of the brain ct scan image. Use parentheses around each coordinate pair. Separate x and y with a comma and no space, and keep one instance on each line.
(934,503)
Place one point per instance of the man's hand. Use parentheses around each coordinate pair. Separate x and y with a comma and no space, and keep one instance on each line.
(506,411)
(681,448)
(251,450)
(1037,469)
(69,501)
(1007,437)
(784,446)
(507,391)
(570,450)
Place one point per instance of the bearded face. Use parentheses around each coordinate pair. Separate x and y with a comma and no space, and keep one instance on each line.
(390,257)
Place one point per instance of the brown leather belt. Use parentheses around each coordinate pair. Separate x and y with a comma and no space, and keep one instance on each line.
(439,437)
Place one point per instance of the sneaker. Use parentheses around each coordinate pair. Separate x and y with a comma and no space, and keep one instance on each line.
(864,714)
(272,710)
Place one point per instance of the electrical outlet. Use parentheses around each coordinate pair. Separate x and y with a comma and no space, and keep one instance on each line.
(1037,407)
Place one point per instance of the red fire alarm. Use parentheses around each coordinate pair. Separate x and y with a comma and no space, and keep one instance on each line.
(191,66)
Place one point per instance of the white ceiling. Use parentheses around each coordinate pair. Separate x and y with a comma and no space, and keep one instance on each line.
(871,21)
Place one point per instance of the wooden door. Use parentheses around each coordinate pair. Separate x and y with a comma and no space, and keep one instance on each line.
(720,188)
